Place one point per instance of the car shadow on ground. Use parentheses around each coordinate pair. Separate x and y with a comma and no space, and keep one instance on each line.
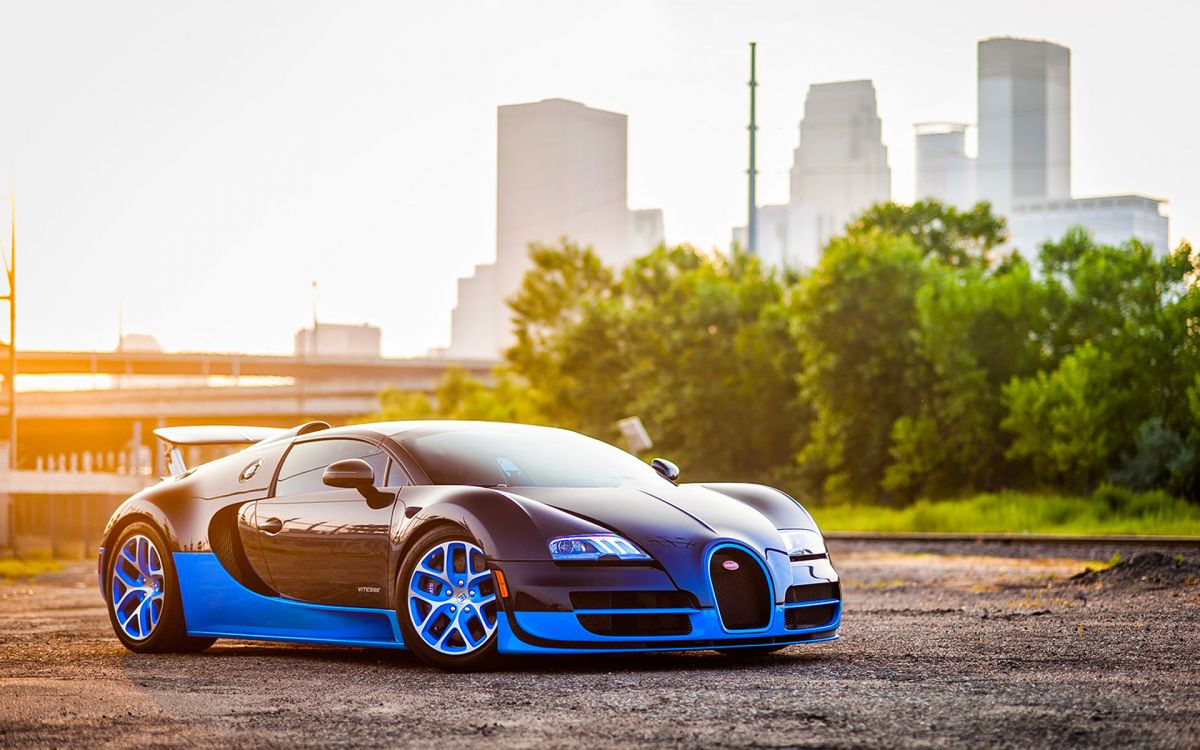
(227,653)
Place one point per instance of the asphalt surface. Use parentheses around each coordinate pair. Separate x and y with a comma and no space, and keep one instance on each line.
(983,647)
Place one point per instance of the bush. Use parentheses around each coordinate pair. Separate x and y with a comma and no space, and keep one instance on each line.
(1162,460)
(1114,499)
(1110,510)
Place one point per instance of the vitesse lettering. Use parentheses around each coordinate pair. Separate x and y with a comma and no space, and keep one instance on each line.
(368,589)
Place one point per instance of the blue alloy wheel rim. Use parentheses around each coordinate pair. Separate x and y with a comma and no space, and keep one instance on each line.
(452,598)
(137,587)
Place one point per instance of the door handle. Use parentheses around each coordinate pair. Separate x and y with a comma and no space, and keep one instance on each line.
(270,526)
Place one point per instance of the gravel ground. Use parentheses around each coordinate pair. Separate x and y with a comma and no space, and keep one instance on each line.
(976,647)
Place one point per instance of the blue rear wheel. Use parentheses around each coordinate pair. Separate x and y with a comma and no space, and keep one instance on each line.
(138,587)
(142,593)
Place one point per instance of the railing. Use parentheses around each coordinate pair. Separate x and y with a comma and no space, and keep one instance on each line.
(134,462)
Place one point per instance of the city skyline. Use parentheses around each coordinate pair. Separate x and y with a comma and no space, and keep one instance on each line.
(561,171)
(222,164)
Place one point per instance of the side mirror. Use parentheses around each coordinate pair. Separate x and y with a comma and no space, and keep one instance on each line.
(666,470)
(351,474)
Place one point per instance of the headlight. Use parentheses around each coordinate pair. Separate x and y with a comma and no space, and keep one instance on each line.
(803,542)
(595,547)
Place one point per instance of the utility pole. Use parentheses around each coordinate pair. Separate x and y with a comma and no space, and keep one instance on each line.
(10,374)
(752,219)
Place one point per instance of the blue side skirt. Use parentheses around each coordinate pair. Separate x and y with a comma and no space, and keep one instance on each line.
(215,605)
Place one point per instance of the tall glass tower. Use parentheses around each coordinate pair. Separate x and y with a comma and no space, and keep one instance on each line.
(1024,122)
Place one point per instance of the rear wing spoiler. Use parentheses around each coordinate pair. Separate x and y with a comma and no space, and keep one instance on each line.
(173,437)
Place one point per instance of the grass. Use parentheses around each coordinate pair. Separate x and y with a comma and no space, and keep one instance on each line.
(1109,511)
(11,568)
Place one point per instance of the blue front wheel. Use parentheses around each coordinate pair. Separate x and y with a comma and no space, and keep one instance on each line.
(448,601)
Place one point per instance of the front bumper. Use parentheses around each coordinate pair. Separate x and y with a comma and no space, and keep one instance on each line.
(561,633)
(538,616)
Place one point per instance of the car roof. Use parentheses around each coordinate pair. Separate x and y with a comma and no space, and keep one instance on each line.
(421,427)
(433,426)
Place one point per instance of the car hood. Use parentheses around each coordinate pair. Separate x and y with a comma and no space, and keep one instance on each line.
(688,513)
(678,526)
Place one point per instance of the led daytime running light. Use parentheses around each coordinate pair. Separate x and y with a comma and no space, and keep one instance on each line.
(595,547)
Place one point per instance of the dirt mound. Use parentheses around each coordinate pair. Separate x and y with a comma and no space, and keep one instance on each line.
(1154,569)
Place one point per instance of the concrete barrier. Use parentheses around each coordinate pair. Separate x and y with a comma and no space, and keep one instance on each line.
(60,513)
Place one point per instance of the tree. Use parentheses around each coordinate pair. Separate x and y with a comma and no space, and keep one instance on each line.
(398,405)
(1123,323)
(1063,421)
(698,345)
(855,319)
(568,294)
(960,239)
(460,396)
(1163,459)
(976,329)
(906,350)
(710,361)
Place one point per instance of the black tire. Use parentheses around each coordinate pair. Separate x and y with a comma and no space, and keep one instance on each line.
(483,656)
(749,652)
(169,634)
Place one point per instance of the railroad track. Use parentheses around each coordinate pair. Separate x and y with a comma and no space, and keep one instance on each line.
(1124,540)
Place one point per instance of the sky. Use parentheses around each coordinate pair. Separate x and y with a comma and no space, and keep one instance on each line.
(188,169)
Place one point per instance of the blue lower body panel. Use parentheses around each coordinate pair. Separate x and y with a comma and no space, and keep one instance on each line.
(562,633)
(217,606)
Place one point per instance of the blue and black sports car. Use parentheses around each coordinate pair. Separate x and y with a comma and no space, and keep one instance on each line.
(460,541)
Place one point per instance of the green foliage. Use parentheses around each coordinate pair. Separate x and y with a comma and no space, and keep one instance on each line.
(855,319)
(975,332)
(1016,512)
(460,396)
(959,239)
(1162,459)
(722,325)
(398,405)
(567,293)
(689,342)
(1123,325)
(912,362)
(12,568)
(1065,421)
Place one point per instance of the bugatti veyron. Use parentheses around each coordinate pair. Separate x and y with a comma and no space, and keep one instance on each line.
(461,541)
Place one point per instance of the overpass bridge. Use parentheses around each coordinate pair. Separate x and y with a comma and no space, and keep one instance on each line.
(151,389)
(417,373)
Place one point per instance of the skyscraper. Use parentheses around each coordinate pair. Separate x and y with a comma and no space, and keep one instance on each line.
(839,169)
(944,171)
(1109,219)
(1024,101)
(560,172)
(1024,164)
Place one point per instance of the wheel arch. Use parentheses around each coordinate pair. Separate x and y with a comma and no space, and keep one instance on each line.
(128,514)
(506,526)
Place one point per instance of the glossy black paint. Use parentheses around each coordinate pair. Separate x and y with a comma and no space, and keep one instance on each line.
(666,469)
(331,547)
(337,546)
(352,473)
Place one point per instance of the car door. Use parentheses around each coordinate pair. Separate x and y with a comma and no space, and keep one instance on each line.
(323,544)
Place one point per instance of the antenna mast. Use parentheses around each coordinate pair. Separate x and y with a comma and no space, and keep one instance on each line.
(752,172)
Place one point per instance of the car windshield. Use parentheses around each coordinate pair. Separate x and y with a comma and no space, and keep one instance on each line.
(523,456)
